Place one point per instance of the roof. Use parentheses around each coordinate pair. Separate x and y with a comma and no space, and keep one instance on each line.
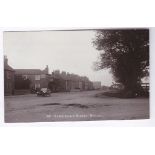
(28,71)
(7,67)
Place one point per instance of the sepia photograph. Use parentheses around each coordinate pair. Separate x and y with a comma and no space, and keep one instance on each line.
(76,75)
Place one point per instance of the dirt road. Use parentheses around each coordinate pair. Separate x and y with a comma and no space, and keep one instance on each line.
(73,106)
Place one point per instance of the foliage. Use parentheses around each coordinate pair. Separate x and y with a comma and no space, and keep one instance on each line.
(57,85)
(22,83)
(126,53)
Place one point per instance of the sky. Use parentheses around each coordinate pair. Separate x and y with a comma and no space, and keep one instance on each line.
(70,51)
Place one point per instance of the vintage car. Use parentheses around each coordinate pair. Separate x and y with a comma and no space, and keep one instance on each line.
(44,92)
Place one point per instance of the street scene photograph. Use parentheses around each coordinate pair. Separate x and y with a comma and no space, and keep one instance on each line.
(76,75)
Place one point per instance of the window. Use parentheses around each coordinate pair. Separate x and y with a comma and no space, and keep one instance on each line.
(37,77)
(37,85)
(43,75)
(25,77)
(8,74)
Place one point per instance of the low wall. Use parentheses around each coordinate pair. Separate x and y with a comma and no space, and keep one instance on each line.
(22,92)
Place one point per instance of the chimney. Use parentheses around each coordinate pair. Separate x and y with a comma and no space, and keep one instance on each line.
(46,69)
(5,60)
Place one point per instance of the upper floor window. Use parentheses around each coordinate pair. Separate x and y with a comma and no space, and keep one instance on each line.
(43,75)
(37,77)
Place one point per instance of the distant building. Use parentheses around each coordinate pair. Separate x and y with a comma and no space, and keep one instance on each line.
(71,82)
(38,78)
(96,84)
(8,78)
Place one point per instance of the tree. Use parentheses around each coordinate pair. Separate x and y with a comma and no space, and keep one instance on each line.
(57,85)
(126,53)
(22,83)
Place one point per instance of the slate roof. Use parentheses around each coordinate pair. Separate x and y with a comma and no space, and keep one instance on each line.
(28,71)
(7,67)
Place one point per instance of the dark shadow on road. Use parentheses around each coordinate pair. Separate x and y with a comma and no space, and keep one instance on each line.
(77,105)
(48,104)
(66,105)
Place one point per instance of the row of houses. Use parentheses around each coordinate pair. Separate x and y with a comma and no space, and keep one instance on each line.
(33,79)
(9,80)
(71,82)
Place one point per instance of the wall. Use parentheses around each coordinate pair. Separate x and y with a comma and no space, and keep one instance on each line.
(8,82)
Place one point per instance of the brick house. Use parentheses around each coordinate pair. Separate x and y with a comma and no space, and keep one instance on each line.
(72,82)
(38,78)
(8,78)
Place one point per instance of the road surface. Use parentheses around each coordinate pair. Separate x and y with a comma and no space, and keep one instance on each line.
(73,106)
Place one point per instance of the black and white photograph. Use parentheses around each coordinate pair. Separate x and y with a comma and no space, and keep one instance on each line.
(76,75)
